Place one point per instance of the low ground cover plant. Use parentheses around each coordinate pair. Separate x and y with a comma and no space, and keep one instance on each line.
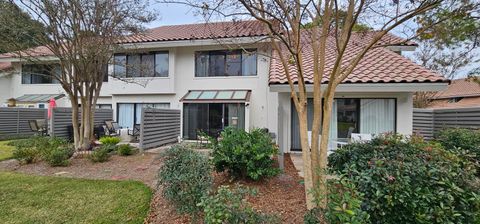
(185,178)
(228,205)
(55,151)
(407,180)
(58,156)
(245,154)
(125,150)
(101,154)
(109,140)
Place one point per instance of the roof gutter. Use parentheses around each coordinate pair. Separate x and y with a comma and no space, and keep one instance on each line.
(204,42)
(23,59)
(372,87)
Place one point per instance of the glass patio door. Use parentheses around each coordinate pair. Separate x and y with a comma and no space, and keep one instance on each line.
(351,115)
(211,118)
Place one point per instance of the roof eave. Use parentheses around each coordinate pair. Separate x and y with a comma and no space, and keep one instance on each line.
(196,42)
(373,87)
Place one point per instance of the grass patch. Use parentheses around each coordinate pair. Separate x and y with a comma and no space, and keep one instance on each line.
(6,151)
(37,199)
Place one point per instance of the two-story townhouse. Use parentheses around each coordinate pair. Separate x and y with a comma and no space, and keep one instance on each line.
(225,74)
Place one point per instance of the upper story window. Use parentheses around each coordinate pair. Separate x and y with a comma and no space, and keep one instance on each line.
(40,73)
(141,65)
(225,63)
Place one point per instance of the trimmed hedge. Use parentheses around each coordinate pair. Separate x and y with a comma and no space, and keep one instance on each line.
(407,180)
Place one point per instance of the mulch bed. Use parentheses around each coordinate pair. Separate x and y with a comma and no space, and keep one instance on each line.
(140,167)
(283,195)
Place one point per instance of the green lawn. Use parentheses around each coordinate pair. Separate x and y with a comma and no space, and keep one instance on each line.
(5,150)
(36,199)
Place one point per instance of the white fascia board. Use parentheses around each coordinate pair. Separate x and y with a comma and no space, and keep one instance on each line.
(372,87)
(26,59)
(188,43)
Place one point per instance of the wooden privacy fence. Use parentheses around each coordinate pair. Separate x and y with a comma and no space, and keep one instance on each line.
(159,127)
(427,122)
(61,120)
(14,121)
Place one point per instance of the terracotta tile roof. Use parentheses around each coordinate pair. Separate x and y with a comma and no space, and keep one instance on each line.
(32,52)
(465,102)
(248,28)
(460,88)
(200,31)
(5,66)
(379,65)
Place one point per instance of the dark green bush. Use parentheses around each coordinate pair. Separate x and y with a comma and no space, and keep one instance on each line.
(58,156)
(109,140)
(461,139)
(244,154)
(410,181)
(185,178)
(100,155)
(230,206)
(125,150)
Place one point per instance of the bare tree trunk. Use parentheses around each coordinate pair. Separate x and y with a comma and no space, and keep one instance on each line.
(321,185)
(307,167)
(75,123)
(86,121)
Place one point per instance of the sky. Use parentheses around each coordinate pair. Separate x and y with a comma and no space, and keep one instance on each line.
(173,14)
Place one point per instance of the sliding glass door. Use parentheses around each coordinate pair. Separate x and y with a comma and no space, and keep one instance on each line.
(351,115)
(211,118)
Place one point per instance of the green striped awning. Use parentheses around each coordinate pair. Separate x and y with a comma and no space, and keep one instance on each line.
(216,96)
(38,98)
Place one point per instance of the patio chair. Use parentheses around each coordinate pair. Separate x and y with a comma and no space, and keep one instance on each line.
(135,132)
(202,138)
(38,126)
(113,128)
(357,137)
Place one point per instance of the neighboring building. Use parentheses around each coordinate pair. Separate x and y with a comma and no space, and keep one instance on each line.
(193,69)
(460,93)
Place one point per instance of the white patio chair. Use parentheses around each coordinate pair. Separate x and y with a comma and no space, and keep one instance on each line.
(359,138)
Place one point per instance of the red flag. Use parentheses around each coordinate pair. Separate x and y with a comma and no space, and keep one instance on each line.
(52,104)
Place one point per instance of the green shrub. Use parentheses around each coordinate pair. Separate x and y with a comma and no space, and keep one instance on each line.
(109,140)
(457,139)
(26,155)
(58,156)
(109,148)
(125,150)
(409,181)
(185,177)
(36,148)
(230,206)
(244,154)
(100,155)
(343,205)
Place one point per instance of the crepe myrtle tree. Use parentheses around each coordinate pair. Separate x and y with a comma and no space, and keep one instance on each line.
(296,26)
(82,36)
